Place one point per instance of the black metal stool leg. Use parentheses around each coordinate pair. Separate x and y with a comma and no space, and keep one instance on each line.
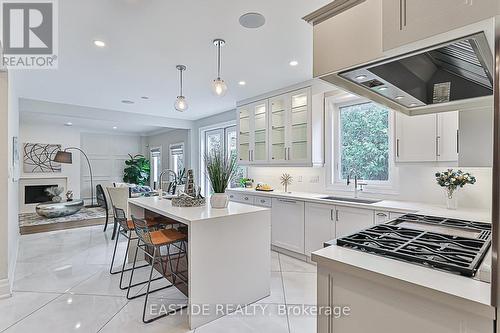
(129,269)
(147,294)
(115,223)
(114,253)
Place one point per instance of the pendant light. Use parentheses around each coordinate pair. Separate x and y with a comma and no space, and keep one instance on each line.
(219,87)
(181,103)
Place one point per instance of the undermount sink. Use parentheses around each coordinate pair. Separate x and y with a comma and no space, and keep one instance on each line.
(357,200)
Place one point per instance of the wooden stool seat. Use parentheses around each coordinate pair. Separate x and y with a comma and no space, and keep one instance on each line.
(166,236)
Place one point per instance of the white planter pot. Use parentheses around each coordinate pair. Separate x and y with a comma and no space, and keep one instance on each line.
(219,200)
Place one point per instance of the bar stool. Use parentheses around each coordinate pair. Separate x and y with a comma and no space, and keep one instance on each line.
(156,240)
(126,229)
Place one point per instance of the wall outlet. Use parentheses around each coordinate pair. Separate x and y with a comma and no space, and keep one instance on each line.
(299,179)
(314,180)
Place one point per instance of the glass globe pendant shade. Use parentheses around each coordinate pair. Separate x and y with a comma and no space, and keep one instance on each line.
(219,87)
(181,104)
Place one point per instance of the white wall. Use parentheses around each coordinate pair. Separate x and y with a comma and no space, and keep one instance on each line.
(54,134)
(13,188)
(164,140)
(416,183)
(9,229)
(107,154)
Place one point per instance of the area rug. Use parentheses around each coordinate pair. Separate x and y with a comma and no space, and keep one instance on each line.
(33,219)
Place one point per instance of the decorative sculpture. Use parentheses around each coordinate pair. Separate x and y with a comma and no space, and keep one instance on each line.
(286,180)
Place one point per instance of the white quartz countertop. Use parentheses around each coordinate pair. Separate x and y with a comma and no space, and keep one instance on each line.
(192,214)
(473,214)
(456,285)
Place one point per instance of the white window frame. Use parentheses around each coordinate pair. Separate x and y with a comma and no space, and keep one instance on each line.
(160,149)
(170,153)
(332,153)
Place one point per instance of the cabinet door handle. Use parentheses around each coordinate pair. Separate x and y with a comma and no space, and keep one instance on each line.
(246,198)
(288,153)
(397,147)
(262,201)
(249,155)
(287,201)
(382,214)
(331,214)
(458,141)
(402,14)
(285,154)
(438,138)
(231,196)
(336,215)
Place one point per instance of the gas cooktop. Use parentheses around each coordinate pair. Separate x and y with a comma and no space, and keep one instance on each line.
(453,245)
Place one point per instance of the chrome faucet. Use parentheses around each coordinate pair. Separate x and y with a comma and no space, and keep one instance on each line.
(160,186)
(356,183)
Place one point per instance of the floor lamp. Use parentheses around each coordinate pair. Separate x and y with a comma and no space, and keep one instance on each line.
(64,156)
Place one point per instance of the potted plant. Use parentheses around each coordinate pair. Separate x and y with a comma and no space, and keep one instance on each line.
(220,171)
(137,170)
(452,181)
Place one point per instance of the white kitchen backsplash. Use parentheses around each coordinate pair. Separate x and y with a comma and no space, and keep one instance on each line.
(416,183)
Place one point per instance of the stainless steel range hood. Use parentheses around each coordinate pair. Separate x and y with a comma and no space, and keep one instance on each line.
(449,73)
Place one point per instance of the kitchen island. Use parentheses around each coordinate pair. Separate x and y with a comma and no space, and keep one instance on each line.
(228,254)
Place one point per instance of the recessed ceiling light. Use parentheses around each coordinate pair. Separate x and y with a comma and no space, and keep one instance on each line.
(382,88)
(127,101)
(99,43)
(413,104)
(114,127)
(252,20)
(144,97)
(68,124)
(242,83)
(294,63)
(360,77)
(399,97)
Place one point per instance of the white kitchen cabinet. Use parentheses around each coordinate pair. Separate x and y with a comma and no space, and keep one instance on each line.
(280,130)
(319,226)
(426,138)
(287,224)
(348,220)
(290,128)
(415,138)
(349,38)
(242,198)
(407,21)
(253,135)
(447,135)
(475,144)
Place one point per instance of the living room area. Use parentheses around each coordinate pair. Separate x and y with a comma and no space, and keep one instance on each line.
(56,195)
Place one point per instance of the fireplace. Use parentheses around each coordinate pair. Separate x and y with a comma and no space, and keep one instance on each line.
(32,191)
(37,193)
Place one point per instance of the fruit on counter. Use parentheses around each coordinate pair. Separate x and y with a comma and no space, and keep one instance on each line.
(264,187)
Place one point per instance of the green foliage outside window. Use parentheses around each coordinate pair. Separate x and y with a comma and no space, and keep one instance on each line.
(364,141)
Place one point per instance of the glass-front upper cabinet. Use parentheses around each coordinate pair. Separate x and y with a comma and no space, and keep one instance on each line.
(253,134)
(244,135)
(277,136)
(298,147)
(259,149)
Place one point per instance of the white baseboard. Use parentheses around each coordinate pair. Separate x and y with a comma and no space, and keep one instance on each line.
(5,290)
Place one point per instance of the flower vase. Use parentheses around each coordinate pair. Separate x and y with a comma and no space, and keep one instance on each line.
(451,195)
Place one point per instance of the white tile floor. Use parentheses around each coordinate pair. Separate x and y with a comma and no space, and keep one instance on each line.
(62,284)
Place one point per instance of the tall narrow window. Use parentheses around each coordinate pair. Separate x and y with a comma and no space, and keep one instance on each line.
(177,157)
(155,158)
(363,142)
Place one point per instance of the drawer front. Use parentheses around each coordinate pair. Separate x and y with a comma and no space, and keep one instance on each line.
(241,197)
(262,201)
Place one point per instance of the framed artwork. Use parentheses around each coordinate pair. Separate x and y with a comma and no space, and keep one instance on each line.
(38,158)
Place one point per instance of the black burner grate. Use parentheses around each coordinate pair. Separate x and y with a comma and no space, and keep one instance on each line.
(449,252)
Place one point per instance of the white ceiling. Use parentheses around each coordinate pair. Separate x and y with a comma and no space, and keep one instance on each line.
(147,38)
